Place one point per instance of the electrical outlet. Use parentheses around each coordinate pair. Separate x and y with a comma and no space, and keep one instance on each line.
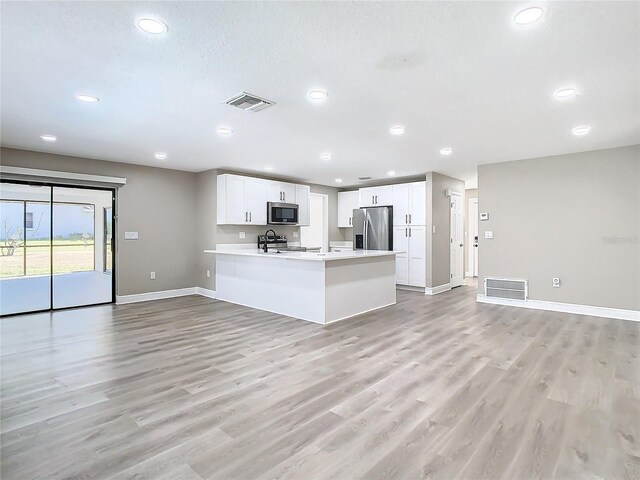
(208,273)
(556,282)
(242,235)
(153,275)
(488,234)
(434,229)
(295,234)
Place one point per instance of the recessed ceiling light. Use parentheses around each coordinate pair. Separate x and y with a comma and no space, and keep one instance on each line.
(325,156)
(224,131)
(397,130)
(446,151)
(528,15)
(565,93)
(87,98)
(268,168)
(317,94)
(161,155)
(49,138)
(152,25)
(581,130)
(338,180)
(391,173)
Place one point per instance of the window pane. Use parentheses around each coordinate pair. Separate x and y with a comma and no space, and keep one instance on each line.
(11,238)
(73,237)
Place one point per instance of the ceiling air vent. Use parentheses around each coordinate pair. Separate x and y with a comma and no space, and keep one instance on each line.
(249,102)
(364,179)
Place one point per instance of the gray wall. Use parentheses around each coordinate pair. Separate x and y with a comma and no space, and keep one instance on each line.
(439,215)
(576,217)
(158,203)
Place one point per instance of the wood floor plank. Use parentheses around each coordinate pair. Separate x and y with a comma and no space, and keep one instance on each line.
(432,387)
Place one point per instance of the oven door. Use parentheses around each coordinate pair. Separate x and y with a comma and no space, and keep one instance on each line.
(282,213)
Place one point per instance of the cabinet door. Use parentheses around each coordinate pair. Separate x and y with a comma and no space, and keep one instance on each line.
(384,196)
(256,200)
(401,244)
(302,199)
(289,193)
(418,203)
(347,202)
(274,192)
(235,207)
(367,197)
(417,256)
(401,204)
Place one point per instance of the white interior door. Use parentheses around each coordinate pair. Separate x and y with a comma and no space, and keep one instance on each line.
(457,241)
(472,239)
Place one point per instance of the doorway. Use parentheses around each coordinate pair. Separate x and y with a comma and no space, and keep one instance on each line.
(472,240)
(56,247)
(316,235)
(457,240)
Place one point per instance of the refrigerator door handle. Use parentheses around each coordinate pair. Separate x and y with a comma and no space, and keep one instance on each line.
(365,245)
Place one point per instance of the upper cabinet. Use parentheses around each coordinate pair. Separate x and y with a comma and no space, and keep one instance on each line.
(376,196)
(302,199)
(409,204)
(282,192)
(347,202)
(243,200)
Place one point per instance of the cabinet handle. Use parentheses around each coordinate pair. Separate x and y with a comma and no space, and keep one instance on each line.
(409,218)
(349,220)
(406,220)
(249,216)
(373,199)
(376,199)
(409,231)
(405,232)
(246,216)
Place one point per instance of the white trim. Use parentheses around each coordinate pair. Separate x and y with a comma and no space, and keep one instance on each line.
(357,314)
(591,310)
(205,292)
(436,290)
(144,297)
(38,174)
(468,275)
(409,288)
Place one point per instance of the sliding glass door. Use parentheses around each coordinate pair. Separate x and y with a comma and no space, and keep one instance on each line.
(25,248)
(57,247)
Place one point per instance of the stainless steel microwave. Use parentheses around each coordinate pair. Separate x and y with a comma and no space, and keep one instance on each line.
(282,213)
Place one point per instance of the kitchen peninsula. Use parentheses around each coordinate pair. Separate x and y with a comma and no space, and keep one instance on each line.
(317,287)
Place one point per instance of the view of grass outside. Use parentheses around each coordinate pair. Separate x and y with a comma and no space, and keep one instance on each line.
(73,251)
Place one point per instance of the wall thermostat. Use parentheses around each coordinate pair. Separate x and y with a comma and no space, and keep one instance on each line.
(484,216)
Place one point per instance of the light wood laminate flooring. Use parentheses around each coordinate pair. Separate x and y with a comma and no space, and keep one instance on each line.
(434,387)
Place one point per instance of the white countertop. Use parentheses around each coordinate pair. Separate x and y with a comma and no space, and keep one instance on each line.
(313,256)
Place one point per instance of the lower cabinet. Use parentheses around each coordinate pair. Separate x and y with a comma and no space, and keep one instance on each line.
(411,265)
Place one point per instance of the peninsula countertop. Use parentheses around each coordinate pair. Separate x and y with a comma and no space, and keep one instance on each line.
(312,256)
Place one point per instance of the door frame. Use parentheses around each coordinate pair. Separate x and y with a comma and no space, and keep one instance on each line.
(472,252)
(52,185)
(453,193)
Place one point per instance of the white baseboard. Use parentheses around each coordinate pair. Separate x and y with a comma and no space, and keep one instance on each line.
(145,297)
(205,292)
(439,289)
(410,288)
(591,310)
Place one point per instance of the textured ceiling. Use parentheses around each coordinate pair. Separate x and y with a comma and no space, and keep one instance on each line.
(454,73)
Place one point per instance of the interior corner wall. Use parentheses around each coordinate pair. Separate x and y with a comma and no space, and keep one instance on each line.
(156,202)
(439,216)
(575,217)
(206,228)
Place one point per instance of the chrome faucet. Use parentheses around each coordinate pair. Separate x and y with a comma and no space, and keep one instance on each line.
(266,238)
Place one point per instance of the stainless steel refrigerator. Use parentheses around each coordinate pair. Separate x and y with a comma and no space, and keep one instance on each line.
(373,228)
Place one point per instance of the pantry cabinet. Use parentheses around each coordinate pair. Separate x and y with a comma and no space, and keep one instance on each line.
(409,204)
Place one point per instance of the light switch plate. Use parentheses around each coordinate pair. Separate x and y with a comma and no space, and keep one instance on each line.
(488,234)
(242,235)
(152,275)
(131,235)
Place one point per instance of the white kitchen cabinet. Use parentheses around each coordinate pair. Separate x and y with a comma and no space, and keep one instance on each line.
(241,200)
(302,193)
(409,204)
(347,202)
(281,192)
(376,196)
(410,265)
